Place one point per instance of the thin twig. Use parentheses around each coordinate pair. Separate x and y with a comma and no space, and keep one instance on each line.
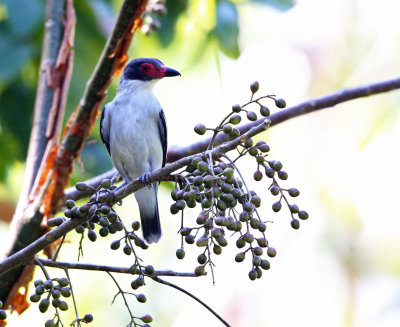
(114,269)
(164,282)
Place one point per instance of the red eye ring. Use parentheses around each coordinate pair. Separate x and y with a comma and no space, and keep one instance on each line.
(145,68)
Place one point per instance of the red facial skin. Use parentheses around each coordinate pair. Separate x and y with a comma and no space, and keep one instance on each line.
(152,71)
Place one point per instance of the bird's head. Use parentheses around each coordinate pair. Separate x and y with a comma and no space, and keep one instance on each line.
(147,69)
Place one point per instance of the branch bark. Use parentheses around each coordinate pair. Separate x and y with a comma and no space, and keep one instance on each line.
(121,270)
(55,174)
(324,102)
(48,111)
(27,254)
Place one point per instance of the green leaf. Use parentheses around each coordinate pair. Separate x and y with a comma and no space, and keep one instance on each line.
(227,28)
(277,4)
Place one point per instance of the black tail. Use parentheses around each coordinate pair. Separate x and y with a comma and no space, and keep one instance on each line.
(151,226)
(150,219)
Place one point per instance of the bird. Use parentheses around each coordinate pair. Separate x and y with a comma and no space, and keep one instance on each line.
(134,131)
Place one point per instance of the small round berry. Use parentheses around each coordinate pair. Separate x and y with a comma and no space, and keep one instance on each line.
(70,204)
(217,249)
(271,252)
(63,282)
(280,103)
(254,87)
(294,208)
(81,187)
(295,224)
(44,305)
(63,306)
(240,256)
(227,129)
(303,214)
(200,129)
(146,319)
(251,115)
(258,175)
(265,264)
(199,271)
(202,259)
(253,274)
(264,111)
(293,192)
(149,269)
(235,119)
(49,323)
(275,190)
(180,253)
(277,206)
(127,249)
(236,108)
(88,318)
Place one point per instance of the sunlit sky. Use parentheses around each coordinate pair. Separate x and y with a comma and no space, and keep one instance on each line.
(342,267)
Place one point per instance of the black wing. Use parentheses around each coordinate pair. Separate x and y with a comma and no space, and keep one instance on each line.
(162,129)
(105,129)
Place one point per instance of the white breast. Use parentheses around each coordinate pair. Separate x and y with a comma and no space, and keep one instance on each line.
(134,133)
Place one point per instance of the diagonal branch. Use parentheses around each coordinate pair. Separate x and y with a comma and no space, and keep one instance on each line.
(324,102)
(54,176)
(25,256)
(54,78)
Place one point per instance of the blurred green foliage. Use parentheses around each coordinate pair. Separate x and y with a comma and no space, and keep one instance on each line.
(188,28)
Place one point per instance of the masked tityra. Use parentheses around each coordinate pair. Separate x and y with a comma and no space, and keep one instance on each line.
(134,130)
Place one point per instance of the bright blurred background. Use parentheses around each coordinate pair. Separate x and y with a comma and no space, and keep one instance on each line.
(342,267)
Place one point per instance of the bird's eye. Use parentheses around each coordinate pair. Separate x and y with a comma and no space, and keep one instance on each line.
(145,68)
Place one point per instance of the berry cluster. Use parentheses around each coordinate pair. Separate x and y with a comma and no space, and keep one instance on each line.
(228,206)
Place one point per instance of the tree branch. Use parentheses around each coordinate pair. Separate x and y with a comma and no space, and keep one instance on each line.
(324,102)
(25,256)
(114,269)
(54,77)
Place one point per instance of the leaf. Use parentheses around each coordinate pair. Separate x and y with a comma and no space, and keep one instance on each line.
(227,28)
(282,5)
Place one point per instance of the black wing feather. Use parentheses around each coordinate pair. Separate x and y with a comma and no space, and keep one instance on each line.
(104,138)
(162,128)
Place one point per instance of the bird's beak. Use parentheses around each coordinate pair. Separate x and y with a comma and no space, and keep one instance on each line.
(169,72)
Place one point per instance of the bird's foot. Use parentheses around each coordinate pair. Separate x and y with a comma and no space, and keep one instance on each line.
(145,180)
(116,178)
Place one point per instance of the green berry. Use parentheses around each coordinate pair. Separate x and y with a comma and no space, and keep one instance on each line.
(254,87)
(217,249)
(265,264)
(63,282)
(49,323)
(63,306)
(227,129)
(236,108)
(258,175)
(70,204)
(44,305)
(252,274)
(282,175)
(88,318)
(240,243)
(235,119)
(199,271)
(303,214)
(295,224)
(180,253)
(149,269)
(293,192)
(277,206)
(251,115)
(280,103)
(202,259)
(294,208)
(127,249)
(81,187)
(35,298)
(39,289)
(200,129)
(240,256)
(271,252)
(264,111)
